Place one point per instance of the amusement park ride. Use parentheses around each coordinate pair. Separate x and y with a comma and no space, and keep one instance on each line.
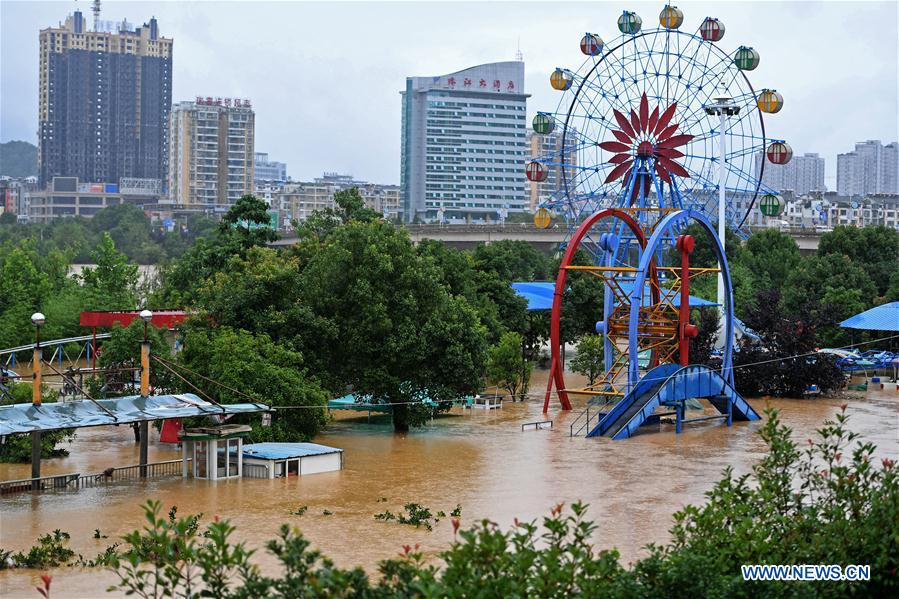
(660,128)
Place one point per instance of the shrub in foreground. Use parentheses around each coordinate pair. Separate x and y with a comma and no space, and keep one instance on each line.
(827,502)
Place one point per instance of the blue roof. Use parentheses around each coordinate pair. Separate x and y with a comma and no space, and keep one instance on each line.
(539,295)
(283,451)
(881,318)
(25,417)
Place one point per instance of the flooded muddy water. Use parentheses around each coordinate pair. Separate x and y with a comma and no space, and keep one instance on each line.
(481,460)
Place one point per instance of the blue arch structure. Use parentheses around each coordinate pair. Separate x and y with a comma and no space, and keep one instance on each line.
(654,244)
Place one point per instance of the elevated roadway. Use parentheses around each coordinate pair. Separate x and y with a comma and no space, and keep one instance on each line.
(547,240)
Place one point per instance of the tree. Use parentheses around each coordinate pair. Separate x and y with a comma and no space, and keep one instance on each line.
(349,206)
(23,289)
(702,345)
(112,283)
(266,371)
(375,316)
(244,226)
(828,289)
(875,249)
(257,292)
(770,256)
(7,218)
(124,347)
(512,260)
(507,366)
(589,360)
(783,363)
(17,448)
(249,218)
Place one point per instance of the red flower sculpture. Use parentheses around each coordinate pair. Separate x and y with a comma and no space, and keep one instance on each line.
(646,135)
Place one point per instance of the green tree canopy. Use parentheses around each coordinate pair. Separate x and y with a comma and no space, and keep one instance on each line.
(267,371)
(829,289)
(875,249)
(589,359)
(771,256)
(112,283)
(379,319)
(507,367)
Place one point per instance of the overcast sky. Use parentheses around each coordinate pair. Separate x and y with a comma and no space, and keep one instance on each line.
(324,77)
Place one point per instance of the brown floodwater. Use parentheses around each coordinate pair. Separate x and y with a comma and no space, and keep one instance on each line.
(481,460)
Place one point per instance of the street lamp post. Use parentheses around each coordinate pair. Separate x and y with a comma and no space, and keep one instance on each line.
(723,107)
(146,316)
(38,320)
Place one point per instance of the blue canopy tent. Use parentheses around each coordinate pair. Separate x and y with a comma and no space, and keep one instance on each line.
(880,318)
(539,295)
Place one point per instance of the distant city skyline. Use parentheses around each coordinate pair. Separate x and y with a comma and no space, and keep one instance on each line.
(325,94)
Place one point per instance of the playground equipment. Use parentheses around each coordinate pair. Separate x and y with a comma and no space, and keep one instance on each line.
(660,129)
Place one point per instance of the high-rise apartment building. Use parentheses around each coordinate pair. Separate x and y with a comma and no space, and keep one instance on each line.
(549,145)
(464,144)
(801,175)
(104,100)
(871,168)
(266,170)
(211,143)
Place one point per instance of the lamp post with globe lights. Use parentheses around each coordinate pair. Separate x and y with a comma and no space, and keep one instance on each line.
(146,316)
(38,320)
(723,107)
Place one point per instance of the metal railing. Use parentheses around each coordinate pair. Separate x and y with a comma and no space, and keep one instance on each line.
(537,425)
(87,481)
(588,418)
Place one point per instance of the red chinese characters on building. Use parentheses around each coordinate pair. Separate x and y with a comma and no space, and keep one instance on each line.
(497,84)
(510,86)
(467,82)
(451,81)
(483,83)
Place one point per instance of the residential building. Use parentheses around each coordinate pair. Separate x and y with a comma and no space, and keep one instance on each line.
(549,148)
(871,168)
(301,199)
(212,157)
(268,171)
(68,197)
(104,99)
(801,175)
(14,195)
(464,144)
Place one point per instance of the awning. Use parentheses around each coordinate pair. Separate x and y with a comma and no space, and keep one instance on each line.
(881,318)
(539,295)
(25,418)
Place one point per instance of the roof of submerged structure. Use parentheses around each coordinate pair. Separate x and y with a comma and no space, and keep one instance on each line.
(26,418)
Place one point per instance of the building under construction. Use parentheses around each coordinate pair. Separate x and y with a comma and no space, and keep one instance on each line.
(105,95)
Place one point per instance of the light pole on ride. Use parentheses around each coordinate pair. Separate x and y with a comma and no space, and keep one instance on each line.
(38,320)
(723,107)
(146,316)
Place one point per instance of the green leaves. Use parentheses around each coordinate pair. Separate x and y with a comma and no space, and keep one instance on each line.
(507,366)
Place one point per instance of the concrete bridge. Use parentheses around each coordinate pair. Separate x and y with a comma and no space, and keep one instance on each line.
(466,237)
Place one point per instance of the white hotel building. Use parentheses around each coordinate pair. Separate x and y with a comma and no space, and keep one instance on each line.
(464,145)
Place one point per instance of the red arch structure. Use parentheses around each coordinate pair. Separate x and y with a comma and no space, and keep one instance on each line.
(556,371)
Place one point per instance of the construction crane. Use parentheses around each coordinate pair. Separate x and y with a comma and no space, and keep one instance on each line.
(96,10)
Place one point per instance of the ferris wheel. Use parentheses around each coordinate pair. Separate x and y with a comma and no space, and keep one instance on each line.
(640,125)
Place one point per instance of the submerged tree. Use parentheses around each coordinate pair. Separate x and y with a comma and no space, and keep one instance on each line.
(507,366)
(374,315)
